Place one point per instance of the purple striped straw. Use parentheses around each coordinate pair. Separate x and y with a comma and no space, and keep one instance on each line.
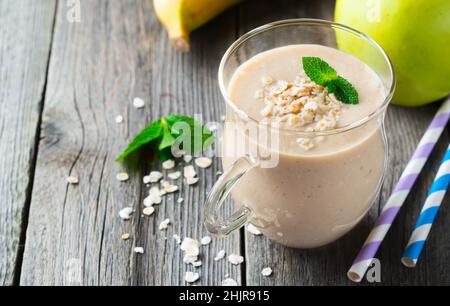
(400,193)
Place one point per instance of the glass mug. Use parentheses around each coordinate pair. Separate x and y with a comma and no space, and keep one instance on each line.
(299,199)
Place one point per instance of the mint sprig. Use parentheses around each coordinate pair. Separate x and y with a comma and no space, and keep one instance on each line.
(321,73)
(161,135)
(343,90)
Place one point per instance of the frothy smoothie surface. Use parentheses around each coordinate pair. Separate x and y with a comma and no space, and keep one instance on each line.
(257,84)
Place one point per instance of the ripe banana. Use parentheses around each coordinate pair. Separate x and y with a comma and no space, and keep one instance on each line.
(181,17)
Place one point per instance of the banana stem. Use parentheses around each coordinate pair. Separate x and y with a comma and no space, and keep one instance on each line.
(180,43)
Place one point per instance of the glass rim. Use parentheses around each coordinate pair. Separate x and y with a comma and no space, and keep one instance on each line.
(314,22)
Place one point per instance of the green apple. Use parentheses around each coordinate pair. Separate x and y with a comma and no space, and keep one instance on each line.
(416,36)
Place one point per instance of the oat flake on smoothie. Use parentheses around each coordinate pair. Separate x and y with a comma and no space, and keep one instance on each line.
(309,101)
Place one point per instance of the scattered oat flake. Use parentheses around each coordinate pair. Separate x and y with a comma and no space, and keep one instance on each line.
(149,201)
(191,277)
(205,240)
(188,242)
(139,250)
(125,213)
(138,103)
(119,119)
(187,158)
(73,180)
(168,164)
(220,255)
(155,176)
(235,259)
(170,188)
(197,263)
(192,180)
(252,229)
(164,224)
(203,162)
(180,200)
(146,179)
(125,236)
(190,259)
(148,211)
(122,176)
(266,271)
(229,282)
(154,190)
(190,246)
(177,238)
(174,175)
(154,197)
(189,171)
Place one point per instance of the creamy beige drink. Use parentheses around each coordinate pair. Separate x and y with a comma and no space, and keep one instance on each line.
(322,185)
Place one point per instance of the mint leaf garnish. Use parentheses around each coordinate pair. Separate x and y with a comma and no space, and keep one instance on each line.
(206,136)
(161,135)
(167,139)
(150,133)
(321,73)
(343,90)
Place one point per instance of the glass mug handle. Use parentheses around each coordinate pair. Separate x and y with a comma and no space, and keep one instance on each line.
(213,223)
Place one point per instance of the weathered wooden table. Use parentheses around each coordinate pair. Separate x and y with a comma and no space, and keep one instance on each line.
(61,86)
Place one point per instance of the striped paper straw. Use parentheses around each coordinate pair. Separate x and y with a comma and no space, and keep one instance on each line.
(400,193)
(428,213)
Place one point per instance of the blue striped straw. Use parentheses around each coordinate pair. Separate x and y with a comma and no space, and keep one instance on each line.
(428,213)
(400,193)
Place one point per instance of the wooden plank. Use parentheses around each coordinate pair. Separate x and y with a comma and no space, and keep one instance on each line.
(328,265)
(117,52)
(25,39)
